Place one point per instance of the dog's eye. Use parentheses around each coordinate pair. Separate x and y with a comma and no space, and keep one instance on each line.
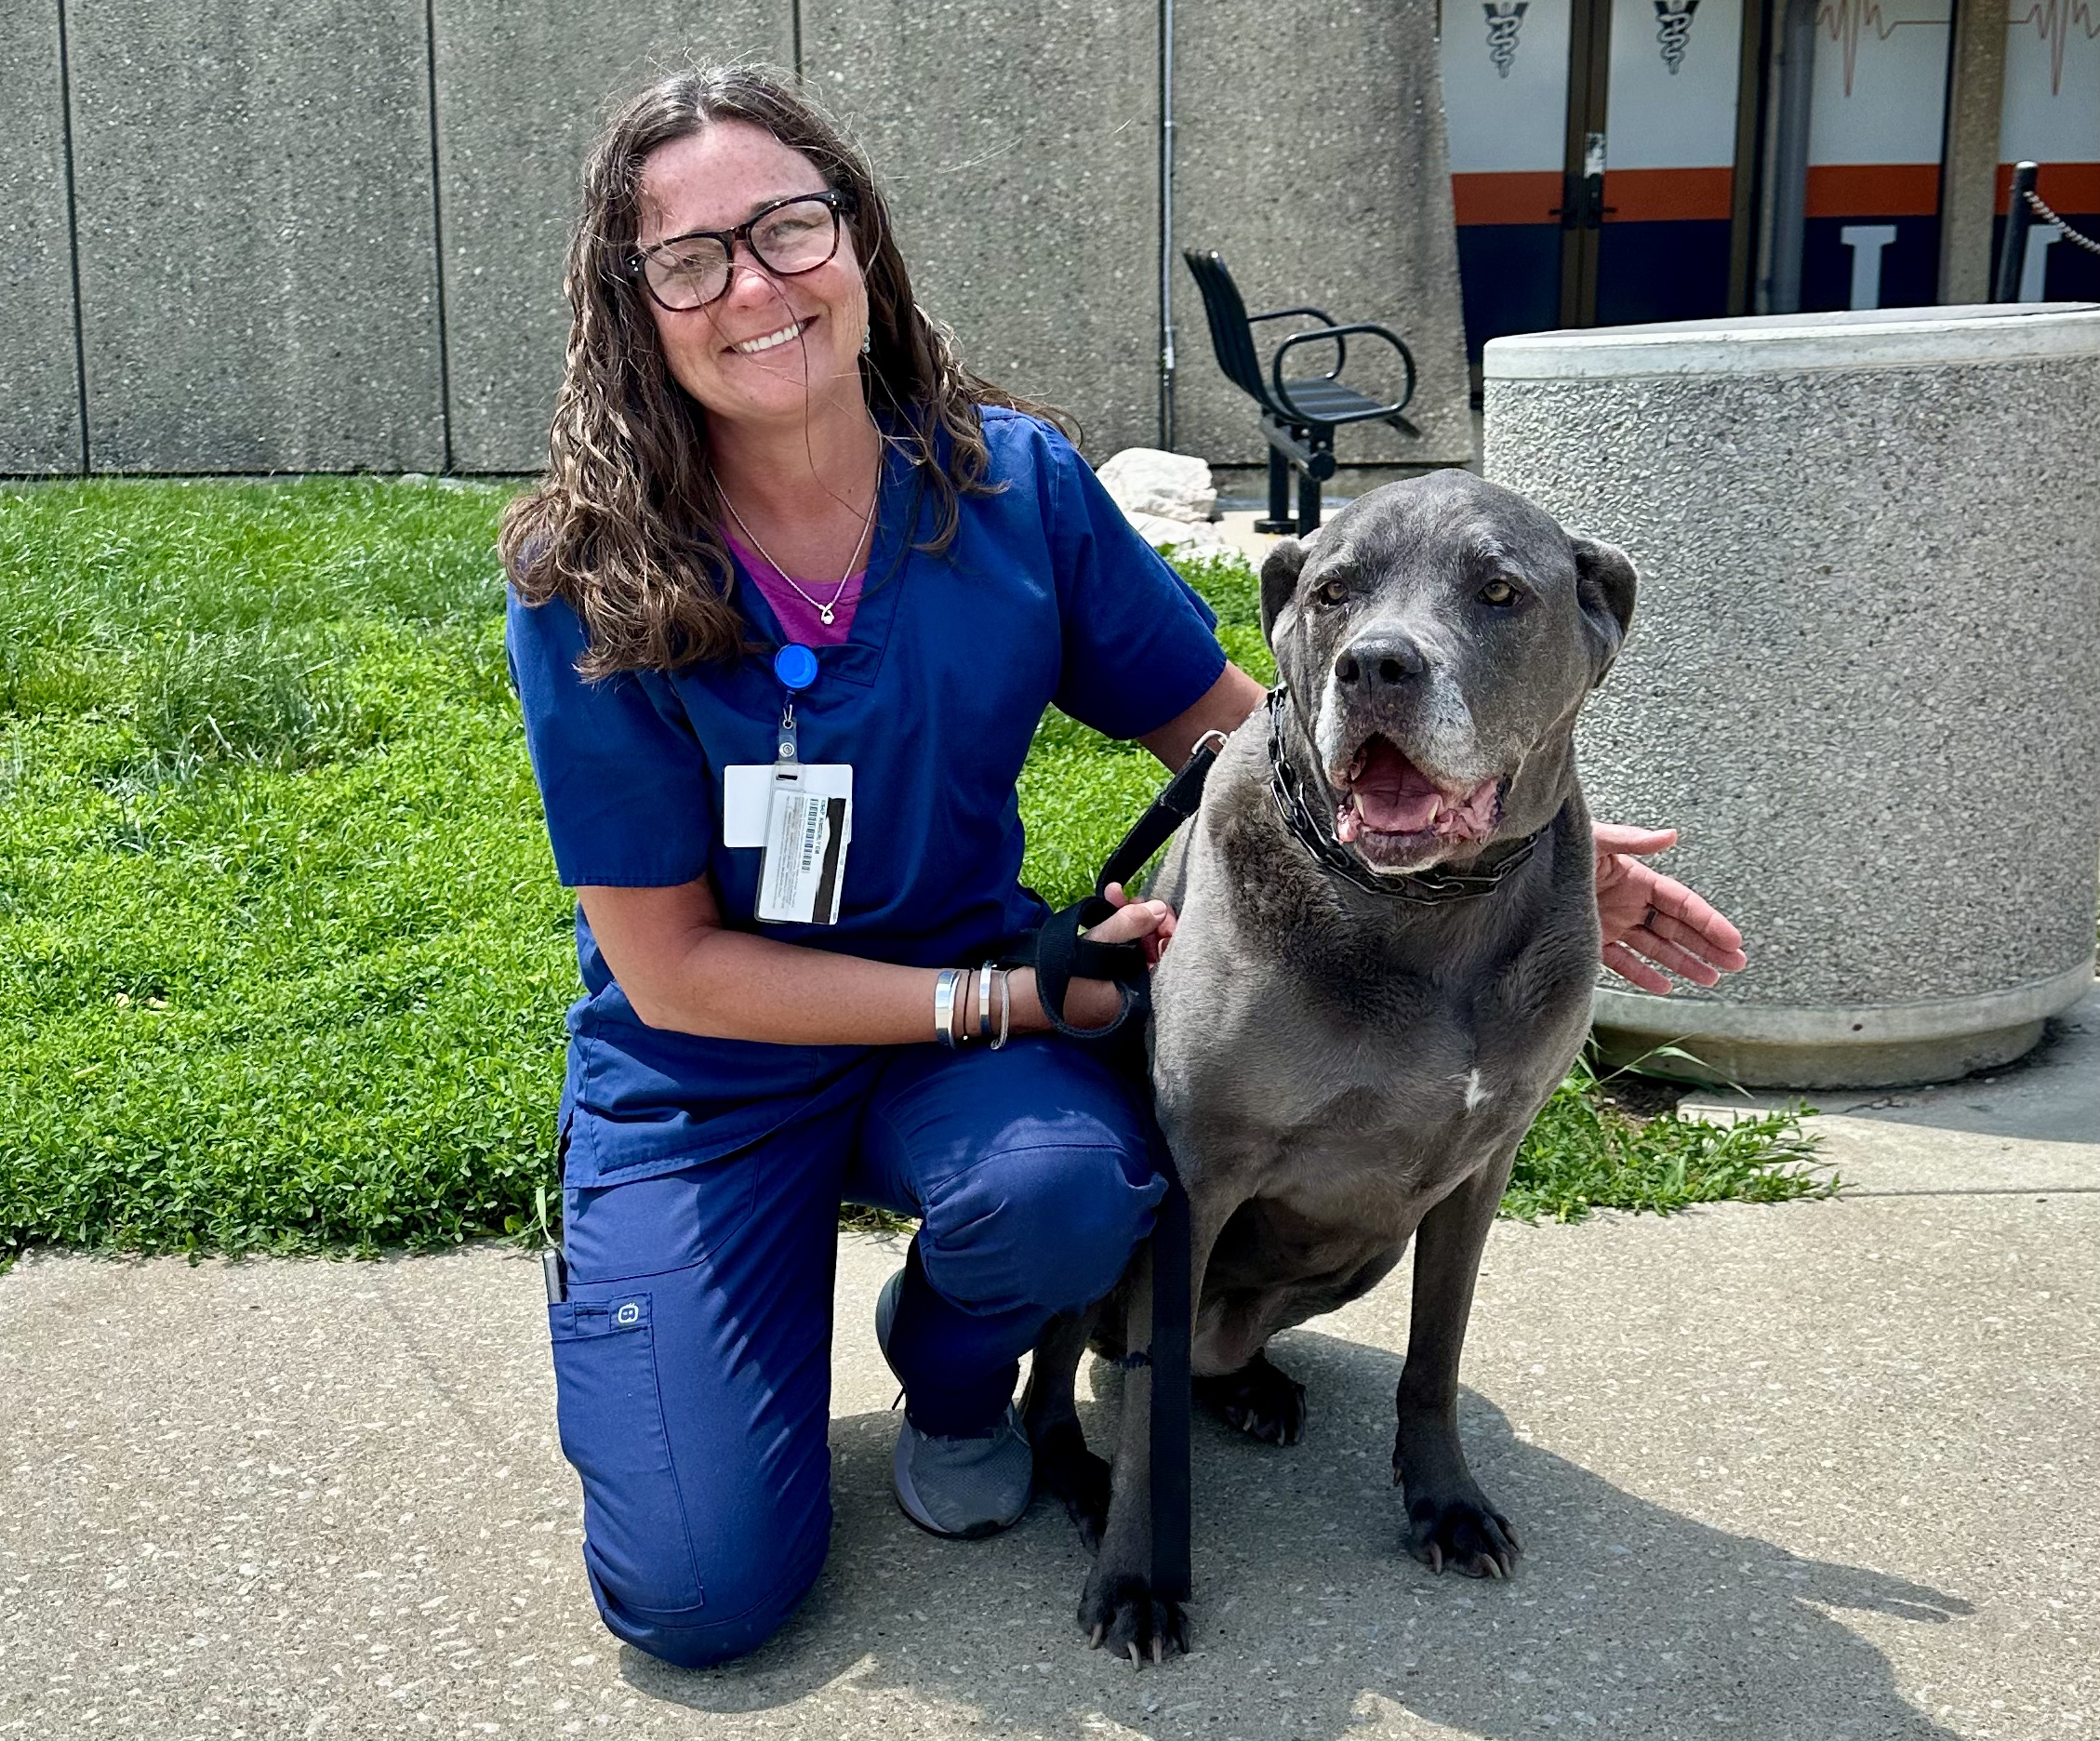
(1333,592)
(1499,593)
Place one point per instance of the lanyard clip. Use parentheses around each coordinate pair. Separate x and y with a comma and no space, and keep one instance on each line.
(795,666)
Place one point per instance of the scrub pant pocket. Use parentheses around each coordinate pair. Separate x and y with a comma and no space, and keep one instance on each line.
(610,1411)
(692,1366)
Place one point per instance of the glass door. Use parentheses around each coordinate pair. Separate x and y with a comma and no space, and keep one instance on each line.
(1504,66)
(1671,142)
(1877,107)
(1598,161)
(2052,117)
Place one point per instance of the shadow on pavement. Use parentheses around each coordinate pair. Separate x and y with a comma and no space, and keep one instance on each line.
(1310,1620)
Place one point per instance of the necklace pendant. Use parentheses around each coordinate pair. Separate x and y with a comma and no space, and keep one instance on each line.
(824,615)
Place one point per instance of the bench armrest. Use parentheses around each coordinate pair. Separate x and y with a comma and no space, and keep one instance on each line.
(1319,335)
(1326,319)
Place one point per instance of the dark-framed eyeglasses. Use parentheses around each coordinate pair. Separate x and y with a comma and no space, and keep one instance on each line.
(790,236)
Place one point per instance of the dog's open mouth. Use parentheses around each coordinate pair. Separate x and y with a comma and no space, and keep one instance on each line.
(1392,812)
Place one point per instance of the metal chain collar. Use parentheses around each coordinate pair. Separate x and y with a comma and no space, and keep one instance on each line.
(1424,887)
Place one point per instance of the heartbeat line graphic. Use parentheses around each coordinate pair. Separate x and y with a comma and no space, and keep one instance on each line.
(1848,21)
(2053,21)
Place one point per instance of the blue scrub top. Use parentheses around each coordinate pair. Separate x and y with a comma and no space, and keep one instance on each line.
(1047,595)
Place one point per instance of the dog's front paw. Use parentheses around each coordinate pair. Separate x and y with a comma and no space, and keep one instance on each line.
(1464,1531)
(1261,1399)
(1122,1613)
(1065,1467)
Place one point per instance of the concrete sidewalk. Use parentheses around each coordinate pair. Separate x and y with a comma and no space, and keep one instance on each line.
(1817,1470)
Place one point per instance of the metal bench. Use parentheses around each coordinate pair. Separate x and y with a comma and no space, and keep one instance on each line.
(1299,415)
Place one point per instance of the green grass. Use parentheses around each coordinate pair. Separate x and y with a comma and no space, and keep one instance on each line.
(283,960)
(1585,1151)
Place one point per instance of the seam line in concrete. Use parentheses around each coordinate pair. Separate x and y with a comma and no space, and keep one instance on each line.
(794,29)
(1845,1191)
(437,236)
(72,235)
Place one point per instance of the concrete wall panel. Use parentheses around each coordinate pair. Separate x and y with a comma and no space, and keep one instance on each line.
(1311,155)
(39,385)
(1018,146)
(521,89)
(259,278)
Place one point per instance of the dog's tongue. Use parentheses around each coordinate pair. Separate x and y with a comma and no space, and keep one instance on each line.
(1394,795)
(1390,795)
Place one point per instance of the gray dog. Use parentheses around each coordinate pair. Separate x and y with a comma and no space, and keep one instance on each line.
(1388,937)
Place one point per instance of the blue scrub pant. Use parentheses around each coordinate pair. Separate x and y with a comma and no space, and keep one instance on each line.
(692,1359)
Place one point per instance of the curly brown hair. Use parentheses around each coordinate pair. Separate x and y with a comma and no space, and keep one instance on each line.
(625,523)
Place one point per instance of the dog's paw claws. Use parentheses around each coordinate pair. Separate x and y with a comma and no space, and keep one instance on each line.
(1463,1534)
(1134,1622)
(1260,1400)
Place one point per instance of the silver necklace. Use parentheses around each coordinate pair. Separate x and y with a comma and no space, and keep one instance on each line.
(824,611)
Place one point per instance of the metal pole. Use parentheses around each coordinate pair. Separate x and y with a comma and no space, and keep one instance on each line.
(1166,224)
(2019,220)
(1789,165)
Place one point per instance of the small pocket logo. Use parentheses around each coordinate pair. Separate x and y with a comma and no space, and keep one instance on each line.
(629,1313)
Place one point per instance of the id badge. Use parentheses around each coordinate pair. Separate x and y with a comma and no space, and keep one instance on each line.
(800,820)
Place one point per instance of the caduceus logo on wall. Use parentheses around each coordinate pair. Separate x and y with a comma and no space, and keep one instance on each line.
(1673,30)
(1505,18)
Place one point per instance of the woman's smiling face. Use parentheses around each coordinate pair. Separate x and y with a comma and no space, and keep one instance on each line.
(769,346)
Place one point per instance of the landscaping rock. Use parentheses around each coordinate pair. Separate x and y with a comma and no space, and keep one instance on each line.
(1146,481)
(1169,496)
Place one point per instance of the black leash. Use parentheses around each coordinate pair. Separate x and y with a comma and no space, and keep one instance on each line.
(1059,953)
(1424,887)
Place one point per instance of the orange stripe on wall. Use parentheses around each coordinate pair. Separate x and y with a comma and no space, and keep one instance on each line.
(1873,189)
(2065,187)
(1530,196)
(1513,196)
(1664,195)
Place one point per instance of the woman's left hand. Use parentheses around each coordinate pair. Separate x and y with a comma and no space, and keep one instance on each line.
(1649,918)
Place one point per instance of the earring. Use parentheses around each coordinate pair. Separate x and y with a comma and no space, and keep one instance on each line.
(867,341)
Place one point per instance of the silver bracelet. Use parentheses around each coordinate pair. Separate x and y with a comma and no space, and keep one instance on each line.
(944,1006)
(984,999)
(1005,1007)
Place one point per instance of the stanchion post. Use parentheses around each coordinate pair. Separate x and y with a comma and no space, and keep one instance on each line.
(2019,220)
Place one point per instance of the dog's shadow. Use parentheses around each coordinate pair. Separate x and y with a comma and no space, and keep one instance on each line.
(1309,1619)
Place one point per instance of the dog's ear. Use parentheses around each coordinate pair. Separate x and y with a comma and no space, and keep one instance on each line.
(1604,587)
(1279,580)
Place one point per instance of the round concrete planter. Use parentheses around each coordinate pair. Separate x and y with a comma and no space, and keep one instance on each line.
(1864,677)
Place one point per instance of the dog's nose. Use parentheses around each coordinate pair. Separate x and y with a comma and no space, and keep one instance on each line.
(1377,661)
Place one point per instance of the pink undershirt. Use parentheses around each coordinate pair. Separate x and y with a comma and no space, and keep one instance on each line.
(798,619)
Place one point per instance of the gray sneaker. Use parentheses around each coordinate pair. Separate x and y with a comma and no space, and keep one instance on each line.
(962,1488)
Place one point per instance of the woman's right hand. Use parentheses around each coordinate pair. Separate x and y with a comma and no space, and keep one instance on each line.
(683,970)
(1094,1003)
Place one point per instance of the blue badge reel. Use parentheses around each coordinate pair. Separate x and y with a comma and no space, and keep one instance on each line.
(799,815)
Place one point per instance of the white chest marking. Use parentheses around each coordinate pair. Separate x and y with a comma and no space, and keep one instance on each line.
(1475,1095)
